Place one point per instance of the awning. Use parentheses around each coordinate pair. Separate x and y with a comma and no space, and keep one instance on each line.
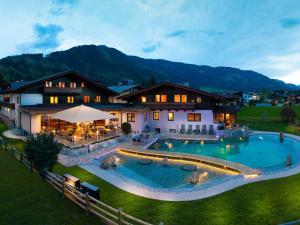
(80,114)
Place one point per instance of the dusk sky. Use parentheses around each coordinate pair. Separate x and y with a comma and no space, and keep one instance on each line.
(259,35)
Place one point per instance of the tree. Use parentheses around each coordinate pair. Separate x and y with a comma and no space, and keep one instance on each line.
(42,150)
(126,128)
(288,114)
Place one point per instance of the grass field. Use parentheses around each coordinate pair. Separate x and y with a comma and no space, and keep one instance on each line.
(28,200)
(267,119)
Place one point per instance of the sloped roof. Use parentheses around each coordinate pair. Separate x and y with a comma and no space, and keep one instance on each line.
(121,88)
(216,96)
(27,84)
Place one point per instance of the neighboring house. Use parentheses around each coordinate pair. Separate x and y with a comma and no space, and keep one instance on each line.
(251,96)
(163,106)
(122,90)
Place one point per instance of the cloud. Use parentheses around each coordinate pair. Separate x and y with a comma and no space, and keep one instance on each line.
(183,33)
(46,39)
(151,47)
(62,7)
(65,2)
(211,32)
(289,22)
(177,33)
(284,67)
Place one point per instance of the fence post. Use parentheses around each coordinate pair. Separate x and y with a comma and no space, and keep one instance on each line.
(21,157)
(120,216)
(87,203)
(63,188)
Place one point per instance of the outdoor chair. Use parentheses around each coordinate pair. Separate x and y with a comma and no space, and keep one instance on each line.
(182,129)
(211,130)
(204,130)
(197,129)
(190,129)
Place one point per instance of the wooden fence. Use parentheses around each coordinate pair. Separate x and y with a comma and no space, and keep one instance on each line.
(91,205)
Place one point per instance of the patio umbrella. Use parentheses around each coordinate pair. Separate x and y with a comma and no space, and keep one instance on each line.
(81,114)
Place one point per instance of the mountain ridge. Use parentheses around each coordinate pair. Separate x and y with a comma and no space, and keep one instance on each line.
(111,65)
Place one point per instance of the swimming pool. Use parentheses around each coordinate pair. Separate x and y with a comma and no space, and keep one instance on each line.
(261,151)
(168,177)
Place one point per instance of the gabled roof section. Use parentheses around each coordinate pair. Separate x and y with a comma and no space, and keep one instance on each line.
(54,76)
(121,88)
(216,96)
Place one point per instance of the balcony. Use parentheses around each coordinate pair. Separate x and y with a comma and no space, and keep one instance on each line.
(7,105)
(171,105)
(65,90)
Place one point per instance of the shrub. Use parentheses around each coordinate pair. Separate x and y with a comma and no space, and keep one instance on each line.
(126,128)
(288,114)
(42,150)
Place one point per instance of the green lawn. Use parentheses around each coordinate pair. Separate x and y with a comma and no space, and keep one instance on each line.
(26,199)
(267,202)
(267,119)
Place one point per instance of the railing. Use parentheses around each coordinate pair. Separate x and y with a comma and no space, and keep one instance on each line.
(7,104)
(65,90)
(91,205)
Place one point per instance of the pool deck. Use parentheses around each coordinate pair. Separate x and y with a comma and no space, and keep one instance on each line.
(193,137)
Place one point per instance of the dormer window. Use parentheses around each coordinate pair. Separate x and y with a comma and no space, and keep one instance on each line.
(48,84)
(144,99)
(72,84)
(82,84)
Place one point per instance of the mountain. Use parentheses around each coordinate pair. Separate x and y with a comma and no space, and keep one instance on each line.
(109,66)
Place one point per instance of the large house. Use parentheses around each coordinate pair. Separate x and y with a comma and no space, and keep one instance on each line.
(164,106)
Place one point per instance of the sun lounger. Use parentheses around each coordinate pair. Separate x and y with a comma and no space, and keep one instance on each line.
(204,131)
(211,130)
(190,129)
(182,129)
(197,129)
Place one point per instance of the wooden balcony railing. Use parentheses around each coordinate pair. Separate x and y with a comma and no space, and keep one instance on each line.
(65,90)
(7,104)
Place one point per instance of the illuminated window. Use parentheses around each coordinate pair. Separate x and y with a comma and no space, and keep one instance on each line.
(82,84)
(160,98)
(48,84)
(53,99)
(144,99)
(176,98)
(157,98)
(72,84)
(98,98)
(61,84)
(70,99)
(183,98)
(180,98)
(163,98)
(130,117)
(199,99)
(86,99)
(171,116)
(194,117)
(145,116)
(155,115)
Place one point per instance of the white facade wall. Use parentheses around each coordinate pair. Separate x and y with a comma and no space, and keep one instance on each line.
(31,99)
(180,117)
(25,121)
(139,124)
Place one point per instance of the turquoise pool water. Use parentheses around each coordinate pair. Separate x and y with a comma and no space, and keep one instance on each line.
(261,151)
(172,176)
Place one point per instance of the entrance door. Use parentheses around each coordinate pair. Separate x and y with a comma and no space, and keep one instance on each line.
(227,119)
